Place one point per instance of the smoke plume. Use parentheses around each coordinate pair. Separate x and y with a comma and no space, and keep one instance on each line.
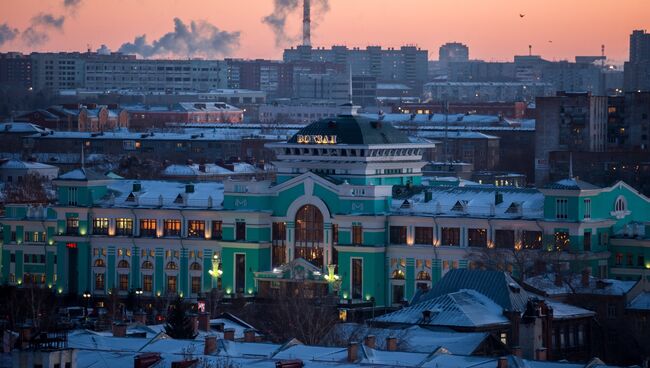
(7,33)
(36,33)
(199,38)
(282,9)
(71,3)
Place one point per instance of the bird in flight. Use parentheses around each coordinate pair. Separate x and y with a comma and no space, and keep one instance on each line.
(522,15)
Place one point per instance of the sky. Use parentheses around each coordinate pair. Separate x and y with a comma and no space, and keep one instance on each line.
(493,29)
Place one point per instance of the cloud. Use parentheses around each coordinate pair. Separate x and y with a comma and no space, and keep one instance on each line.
(36,33)
(104,50)
(282,9)
(48,21)
(199,38)
(71,3)
(7,33)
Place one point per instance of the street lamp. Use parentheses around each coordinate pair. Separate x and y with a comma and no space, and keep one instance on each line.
(86,295)
(138,292)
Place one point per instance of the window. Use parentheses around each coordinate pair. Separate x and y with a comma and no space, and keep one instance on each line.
(309,225)
(423,235)
(172,227)
(335,234)
(611,310)
(640,261)
(148,228)
(123,264)
(171,284)
(357,278)
(504,239)
(147,283)
(398,234)
(124,227)
(100,226)
(279,235)
(477,238)
(72,226)
(398,293)
(124,282)
(531,239)
(561,240)
(99,281)
(357,235)
(630,259)
(171,266)
(586,241)
(147,265)
(196,229)
(217,230)
(620,205)
(72,196)
(561,208)
(587,213)
(240,231)
(619,259)
(240,272)
(196,285)
(450,236)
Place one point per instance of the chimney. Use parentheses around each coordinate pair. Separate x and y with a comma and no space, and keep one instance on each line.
(210,345)
(204,321)
(306,23)
(229,334)
(249,335)
(558,278)
(391,343)
(369,341)
(119,330)
(219,326)
(503,362)
(516,351)
(426,316)
(584,280)
(194,320)
(540,354)
(498,198)
(292,363)
(146,360)
(353,352)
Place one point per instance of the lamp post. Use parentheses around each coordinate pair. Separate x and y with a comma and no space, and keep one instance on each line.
(138,293)
(86,295)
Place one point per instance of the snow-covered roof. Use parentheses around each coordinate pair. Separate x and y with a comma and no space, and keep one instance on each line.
(231,134)
(563,310)
(451,119)
(201,106)
(464,308)
(571,184)
(414,339)
(439,134)
(82,174)
(573,284)
(640,302)
(475,201)
(19,127)
(166,194)
(208,169)
(24,165)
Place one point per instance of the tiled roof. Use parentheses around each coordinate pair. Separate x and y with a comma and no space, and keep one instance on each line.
(355,129)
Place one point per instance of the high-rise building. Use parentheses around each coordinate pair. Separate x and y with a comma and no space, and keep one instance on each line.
(15,70)
(453,52)
(408,64)
(637,70)
(568,122)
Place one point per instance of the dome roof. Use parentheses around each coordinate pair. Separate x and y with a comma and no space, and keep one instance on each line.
(354,129)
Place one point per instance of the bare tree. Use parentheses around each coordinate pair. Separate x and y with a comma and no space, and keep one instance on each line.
(32,189)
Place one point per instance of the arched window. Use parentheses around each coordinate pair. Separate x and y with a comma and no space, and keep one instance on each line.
(147,265)
(195,266)
(171,266)
(620,205)
(309,225)
(100,263)
(423,276)
(398,275)
(123,264)
(309,234)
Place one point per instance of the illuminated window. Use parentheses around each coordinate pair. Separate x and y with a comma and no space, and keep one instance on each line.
(148,228)
(196,229)
(172,228)
(124,227)
(477,238)
(195,266)
(99,281)
(147,265)
(171,284)
(196,285)
(217,230)
(124,282)
(147,283)
(123,264)
(100,226)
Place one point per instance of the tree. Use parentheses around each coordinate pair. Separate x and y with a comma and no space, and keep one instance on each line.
(32,189)
(179,325)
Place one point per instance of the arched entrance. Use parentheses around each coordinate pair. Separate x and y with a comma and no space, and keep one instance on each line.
(309,235)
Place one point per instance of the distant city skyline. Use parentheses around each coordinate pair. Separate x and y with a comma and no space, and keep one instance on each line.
(493,30)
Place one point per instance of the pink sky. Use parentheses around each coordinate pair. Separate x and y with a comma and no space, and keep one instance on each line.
(491,28)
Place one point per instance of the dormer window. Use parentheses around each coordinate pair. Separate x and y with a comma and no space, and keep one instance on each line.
(130,197)
(460,206)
